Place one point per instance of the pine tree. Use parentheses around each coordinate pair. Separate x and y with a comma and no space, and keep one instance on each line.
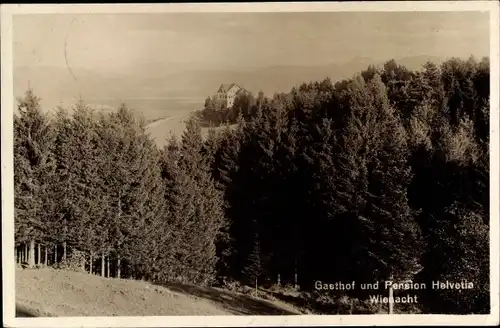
(34,168)
(210,146)
(226,177)
(454,216)
(372,209)
(64,188)
(194,207)
(134,192)
(87,201)
(253,268)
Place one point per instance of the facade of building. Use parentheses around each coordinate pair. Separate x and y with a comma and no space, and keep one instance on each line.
(228,93)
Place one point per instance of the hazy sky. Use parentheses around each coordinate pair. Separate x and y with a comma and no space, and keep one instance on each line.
(218,40)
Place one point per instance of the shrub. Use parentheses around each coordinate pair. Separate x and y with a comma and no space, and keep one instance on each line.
(75,262)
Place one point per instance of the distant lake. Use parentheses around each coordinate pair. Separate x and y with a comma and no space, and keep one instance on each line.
(153,107)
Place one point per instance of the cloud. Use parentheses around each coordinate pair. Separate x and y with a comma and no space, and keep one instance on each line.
(114,43)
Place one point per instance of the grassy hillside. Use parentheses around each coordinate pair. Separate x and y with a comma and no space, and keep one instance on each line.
(49,292)
(162,129)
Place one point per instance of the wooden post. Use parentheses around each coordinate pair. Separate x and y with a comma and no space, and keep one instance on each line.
(296,280)
(391,298)
(256,289)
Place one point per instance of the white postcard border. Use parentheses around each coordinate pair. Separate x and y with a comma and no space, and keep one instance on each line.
(204,321)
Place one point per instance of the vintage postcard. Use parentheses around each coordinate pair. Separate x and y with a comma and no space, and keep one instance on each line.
(253,164)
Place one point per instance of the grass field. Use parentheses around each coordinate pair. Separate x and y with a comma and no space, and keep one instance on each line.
(54,293)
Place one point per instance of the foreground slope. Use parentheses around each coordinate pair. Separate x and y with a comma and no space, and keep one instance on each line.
(49,292)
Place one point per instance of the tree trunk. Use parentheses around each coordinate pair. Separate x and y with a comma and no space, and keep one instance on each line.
(31,257)
(118,260)
(91,262)
(25,256)
(64,251)
(39,260)
(55,254)
(102,265)
(46,256)
(82,264)
(107,263)
(17,255)
(118,265)
(391,303)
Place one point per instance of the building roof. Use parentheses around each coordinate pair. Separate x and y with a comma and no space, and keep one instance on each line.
(225,87)
(242,90)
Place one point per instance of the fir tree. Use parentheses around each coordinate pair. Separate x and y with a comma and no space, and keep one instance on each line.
(34,170)
(253,268)
(194,208)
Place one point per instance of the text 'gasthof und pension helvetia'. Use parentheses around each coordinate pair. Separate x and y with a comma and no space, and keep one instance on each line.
(396,286)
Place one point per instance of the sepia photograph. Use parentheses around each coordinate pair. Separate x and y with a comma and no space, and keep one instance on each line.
(250,164)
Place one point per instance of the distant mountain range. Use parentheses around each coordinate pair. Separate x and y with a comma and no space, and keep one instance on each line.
(160,90)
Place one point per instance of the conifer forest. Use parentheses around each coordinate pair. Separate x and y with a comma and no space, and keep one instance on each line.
(381,176)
